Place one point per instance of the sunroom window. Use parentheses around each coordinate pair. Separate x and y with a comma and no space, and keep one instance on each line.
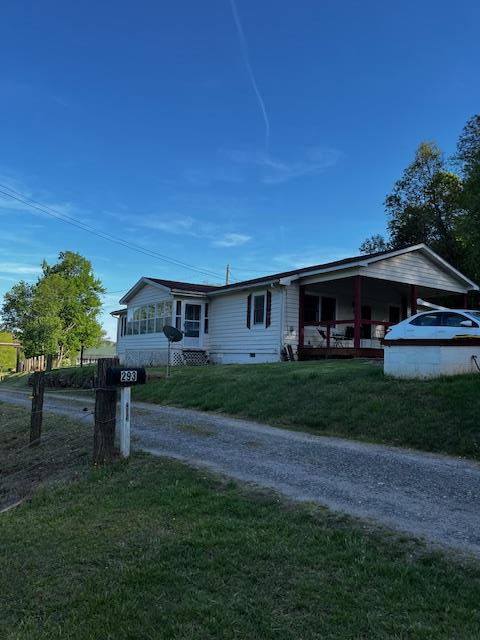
(150,318)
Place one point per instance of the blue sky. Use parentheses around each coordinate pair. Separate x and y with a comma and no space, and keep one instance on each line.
(264,134)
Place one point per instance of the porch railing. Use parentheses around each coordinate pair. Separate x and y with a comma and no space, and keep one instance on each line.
(340,338)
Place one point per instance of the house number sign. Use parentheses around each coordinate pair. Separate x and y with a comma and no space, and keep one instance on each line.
(125,376)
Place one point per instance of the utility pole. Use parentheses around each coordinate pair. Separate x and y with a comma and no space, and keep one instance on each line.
(227,275)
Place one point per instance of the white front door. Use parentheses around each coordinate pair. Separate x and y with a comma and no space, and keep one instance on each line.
(192,326)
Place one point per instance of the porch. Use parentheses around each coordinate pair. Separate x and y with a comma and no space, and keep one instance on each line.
(349,317)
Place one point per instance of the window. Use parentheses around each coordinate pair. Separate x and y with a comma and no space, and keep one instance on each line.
(394,315)
(143,319)
(428,320)
(328,310)
(148,319)
(163,315)
(451,319)
(205,319)
(259,309)
(440,319)
(123,325)
(178,315)
(192,320)
(311,308)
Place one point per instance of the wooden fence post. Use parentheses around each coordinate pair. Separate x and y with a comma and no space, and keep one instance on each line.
(105,414)
(37,408)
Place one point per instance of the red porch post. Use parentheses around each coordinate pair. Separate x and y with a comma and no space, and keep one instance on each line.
(357,314)
(301,317)
(413,299)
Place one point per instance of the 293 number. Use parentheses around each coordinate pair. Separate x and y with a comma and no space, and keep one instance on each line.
(128,376)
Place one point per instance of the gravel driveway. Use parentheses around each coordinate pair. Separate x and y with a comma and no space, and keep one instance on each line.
(432,496)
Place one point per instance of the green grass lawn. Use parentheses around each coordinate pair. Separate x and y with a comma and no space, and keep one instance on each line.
(64,452)
(352,399)
(152,549)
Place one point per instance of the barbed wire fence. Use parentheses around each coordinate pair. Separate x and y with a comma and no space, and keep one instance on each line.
(50,451)
(63,451)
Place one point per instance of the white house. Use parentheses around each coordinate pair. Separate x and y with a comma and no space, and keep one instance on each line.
(338,308)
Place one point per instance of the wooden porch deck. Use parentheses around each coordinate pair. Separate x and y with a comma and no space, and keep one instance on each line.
(323,353)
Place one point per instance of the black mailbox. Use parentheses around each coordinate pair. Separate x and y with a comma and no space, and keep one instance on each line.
(125,376)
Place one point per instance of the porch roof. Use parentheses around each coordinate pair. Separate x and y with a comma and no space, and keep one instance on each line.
(295,274)
(347,263)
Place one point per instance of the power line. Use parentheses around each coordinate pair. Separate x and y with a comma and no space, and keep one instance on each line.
(105,293)
(101,234)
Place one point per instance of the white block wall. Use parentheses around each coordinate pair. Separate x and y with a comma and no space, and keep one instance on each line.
(429,362)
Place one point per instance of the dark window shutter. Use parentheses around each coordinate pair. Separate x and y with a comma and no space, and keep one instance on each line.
(268,315)
(249,311)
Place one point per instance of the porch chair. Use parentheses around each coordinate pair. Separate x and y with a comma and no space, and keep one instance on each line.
(337,338)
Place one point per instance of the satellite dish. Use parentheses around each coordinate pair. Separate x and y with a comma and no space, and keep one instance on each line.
(172,334)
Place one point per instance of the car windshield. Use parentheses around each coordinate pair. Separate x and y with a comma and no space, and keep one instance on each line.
(475,314)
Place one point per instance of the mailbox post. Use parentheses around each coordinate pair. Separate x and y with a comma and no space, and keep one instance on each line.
(125,378)
(125,400)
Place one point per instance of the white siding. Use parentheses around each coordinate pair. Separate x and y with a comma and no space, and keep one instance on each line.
(414,268)
(128,347)
(230,340)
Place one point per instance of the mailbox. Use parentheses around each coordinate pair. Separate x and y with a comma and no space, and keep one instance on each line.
(125,376)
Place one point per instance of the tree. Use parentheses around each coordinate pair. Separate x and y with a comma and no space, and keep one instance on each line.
(467,156)
(58,314)
(468,159)
(424,206)
(374,244)
(17,306)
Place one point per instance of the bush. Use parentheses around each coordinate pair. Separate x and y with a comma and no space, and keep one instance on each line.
(74,377)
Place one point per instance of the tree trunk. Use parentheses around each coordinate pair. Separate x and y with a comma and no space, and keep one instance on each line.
(105,414)
(49,362)
(81,355)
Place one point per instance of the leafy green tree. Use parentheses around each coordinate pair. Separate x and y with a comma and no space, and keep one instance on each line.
(425,206)
(17,307)
(374,244)
(467,159)
(468,147)
(58,314)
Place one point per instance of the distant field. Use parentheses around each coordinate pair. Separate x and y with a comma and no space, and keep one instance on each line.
(152,549)
(351,399)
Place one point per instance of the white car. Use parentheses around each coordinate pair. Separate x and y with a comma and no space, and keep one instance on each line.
(437,324)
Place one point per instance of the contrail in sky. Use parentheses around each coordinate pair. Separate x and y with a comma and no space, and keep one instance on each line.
(246,59)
